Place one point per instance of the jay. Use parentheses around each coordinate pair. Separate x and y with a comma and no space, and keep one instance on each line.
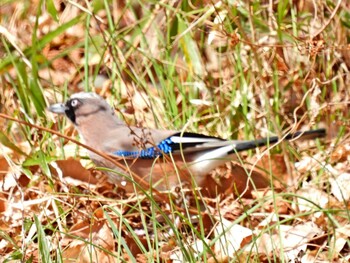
(163,158)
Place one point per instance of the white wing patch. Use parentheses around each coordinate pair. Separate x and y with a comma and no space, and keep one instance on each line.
(177,139)
(211,159)
(215,154)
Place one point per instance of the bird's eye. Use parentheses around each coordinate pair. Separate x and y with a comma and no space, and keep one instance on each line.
(74,103)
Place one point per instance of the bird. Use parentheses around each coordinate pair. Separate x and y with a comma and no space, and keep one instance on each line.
(163,158)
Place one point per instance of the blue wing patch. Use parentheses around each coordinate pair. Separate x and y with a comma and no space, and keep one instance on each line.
(164,147)
(168,146)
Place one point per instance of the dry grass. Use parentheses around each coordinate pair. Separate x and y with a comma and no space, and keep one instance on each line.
(238,70)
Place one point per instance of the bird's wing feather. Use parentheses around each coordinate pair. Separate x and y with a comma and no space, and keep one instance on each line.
(178,142)
(192,143)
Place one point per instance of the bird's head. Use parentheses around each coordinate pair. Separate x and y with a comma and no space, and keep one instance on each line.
(86,108)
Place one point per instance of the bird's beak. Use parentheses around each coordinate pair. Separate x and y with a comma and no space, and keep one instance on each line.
(58,108)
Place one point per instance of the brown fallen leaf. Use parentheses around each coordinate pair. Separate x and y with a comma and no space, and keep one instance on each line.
(237,181)
(231,238)
(3,203)
(4,167)
(309,197)
(133,244)
(340,187)
(96,240)
(274,164)
(340,239)
(73,168)
(292,239)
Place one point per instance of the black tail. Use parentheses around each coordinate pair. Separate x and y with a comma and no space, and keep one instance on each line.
(308,135)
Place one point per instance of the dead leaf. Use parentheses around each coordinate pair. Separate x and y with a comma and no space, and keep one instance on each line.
(310,196)
(133,245)
(340,239)
(341,153)
(197,248)
(274,164)
(235,180)
(340,187)
(3,203)
(96,237)
(73,168)
(309,164)
(4,167)
(293,240)
(231,238)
